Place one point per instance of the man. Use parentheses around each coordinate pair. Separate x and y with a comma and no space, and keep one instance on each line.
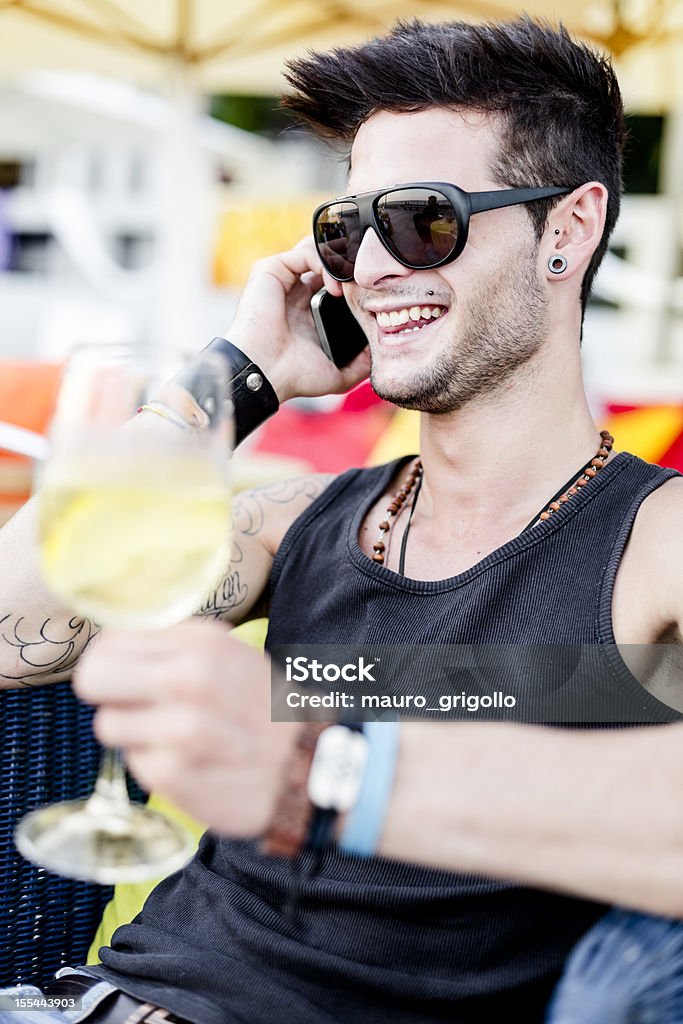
(486,346)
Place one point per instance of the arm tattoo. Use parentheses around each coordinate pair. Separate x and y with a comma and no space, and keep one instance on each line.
(249,508)
(249,516)
(53,647)
(230,592)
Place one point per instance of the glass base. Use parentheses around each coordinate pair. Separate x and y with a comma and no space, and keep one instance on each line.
(87,839)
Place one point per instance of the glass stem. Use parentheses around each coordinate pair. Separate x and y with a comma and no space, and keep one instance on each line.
(111,787)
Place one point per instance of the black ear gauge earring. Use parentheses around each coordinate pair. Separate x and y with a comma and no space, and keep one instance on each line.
(557,264)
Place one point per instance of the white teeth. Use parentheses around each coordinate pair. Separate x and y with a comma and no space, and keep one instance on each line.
(395,317)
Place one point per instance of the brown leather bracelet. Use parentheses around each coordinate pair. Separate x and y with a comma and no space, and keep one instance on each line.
(288,829)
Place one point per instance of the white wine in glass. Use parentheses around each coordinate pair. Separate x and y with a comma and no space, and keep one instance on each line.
(134,530)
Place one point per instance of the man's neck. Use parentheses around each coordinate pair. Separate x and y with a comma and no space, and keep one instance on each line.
(506,455)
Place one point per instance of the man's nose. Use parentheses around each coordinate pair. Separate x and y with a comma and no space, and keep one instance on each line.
(374,263)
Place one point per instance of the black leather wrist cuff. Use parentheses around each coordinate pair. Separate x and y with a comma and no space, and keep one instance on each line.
(253,397)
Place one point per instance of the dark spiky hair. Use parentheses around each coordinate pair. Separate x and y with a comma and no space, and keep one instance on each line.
(558,102)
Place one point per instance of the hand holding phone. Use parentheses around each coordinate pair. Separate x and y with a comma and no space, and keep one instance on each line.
(274,326)
(339,333)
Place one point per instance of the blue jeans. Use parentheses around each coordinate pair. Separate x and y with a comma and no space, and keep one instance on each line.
(628,969)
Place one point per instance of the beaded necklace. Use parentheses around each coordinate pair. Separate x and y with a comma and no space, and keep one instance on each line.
(413,482)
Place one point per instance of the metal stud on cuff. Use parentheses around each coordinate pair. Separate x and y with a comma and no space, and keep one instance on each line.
(252,394)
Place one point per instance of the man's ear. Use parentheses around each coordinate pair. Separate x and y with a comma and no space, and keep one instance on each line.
(574,231)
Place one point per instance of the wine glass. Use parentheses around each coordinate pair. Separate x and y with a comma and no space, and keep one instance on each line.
(134,529)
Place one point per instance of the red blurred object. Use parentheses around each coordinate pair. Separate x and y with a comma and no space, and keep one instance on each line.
(673,456)
(329,441)
(362,397)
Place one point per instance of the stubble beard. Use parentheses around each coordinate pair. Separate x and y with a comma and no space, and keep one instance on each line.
(505,324)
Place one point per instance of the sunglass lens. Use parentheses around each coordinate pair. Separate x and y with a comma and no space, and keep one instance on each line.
(419,225)
(337,236)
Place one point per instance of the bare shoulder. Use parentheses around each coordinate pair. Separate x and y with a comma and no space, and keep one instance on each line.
(660,518)
(650,578)
(267,512)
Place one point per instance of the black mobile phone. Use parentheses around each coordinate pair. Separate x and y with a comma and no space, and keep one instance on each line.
(339,333)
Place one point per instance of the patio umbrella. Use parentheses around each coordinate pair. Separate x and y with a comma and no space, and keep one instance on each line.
(191,47)
(241,46)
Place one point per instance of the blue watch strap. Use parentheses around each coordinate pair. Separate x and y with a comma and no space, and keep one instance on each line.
(365,821)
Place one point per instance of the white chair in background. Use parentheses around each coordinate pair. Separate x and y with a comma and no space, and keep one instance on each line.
(22,442)
(16,474)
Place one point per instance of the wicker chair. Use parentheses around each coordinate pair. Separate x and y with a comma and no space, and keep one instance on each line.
(47,753)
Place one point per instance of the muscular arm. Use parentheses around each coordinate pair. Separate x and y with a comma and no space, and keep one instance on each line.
(41,642)
(597,815)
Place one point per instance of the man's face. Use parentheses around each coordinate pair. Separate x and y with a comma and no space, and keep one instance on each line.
(487,316)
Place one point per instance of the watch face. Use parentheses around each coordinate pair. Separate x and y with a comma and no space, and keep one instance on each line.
(337,769)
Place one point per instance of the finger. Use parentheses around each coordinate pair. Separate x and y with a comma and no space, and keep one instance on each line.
(137,677)
(300,295)
(312,280)
(158,770)
(193,733)
(333,286)
(122,682)
(288,267)
(142,667)
(188,677)
(126,727)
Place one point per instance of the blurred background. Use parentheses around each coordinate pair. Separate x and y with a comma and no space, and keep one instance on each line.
(144,166)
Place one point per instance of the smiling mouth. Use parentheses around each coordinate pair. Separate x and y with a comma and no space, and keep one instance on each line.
(409,319)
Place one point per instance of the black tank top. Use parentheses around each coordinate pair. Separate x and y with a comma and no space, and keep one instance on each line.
(376,940)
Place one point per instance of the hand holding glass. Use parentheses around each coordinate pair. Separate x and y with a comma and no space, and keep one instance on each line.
(134,520)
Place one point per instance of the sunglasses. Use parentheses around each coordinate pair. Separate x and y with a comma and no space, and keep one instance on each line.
(423,225)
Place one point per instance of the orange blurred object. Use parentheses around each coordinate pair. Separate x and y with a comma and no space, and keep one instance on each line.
(27,397)
(251,229)
(654,432)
